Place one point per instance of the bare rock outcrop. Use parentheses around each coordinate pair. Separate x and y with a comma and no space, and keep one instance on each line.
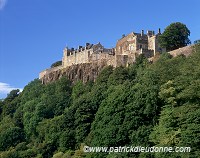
(84,72)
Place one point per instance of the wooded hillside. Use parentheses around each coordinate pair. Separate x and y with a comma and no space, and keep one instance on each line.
(145,104)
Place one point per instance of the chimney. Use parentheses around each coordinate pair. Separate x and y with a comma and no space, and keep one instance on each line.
(142,32)
(79,47)
(149,33)
(159,32)
(87,44)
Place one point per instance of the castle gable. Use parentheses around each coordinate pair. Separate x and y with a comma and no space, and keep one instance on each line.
(138,42)
(97,48)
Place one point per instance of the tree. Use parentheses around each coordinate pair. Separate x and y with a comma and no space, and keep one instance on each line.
(11,137)
(57,63)
(118,76)
(12,94)
(175,36)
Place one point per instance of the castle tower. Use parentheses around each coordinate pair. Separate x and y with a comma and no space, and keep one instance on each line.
(153,41)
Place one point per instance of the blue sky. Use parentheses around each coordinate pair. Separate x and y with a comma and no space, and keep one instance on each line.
(33,33)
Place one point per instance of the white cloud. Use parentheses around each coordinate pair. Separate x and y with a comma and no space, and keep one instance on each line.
(6,88)
(2,4)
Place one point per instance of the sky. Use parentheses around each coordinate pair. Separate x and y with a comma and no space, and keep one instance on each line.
(33,33)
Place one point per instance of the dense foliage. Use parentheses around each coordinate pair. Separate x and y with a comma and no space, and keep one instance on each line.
(57,63)
(145,104)
(175,36)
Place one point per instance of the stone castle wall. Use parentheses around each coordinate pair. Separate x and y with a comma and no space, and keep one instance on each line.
(184,50)
(89,53)
(76,58)
(106,58)
(50,70)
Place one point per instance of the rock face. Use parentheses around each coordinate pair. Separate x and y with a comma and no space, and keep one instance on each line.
(184,50)
(84,72)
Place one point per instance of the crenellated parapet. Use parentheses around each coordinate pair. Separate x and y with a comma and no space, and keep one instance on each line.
(87,54)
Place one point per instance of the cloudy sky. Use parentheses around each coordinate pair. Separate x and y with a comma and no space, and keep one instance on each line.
(5,89)
(33,33)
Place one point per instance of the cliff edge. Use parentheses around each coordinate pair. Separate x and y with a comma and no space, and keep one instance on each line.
(84,72)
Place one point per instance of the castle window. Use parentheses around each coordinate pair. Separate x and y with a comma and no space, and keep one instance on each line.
(140,46)
(131,48)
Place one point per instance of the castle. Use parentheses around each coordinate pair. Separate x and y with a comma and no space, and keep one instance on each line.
(126,50)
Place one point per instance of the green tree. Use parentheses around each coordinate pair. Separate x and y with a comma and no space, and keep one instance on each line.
(13,94)
(11,137)
(179,122)
(175,36)
(119,75)
(107,128)
(57,63)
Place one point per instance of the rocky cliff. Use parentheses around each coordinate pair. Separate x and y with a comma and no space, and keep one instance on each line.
(85,72)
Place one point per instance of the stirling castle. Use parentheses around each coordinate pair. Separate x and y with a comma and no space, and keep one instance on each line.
(126,50)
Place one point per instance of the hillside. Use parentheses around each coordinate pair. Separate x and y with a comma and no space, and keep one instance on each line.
(145,104)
